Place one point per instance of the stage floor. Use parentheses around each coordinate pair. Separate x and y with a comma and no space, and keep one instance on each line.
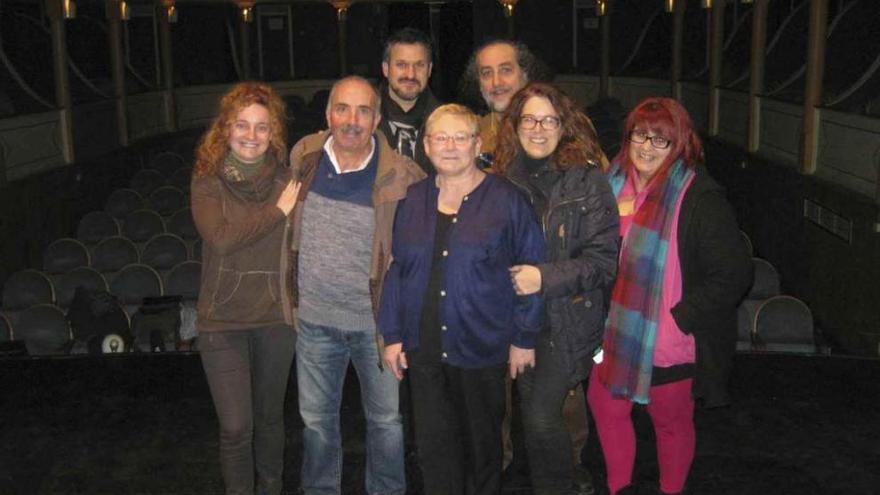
(146,425)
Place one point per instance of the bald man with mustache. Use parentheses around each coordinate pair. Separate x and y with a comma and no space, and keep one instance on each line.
(340,236)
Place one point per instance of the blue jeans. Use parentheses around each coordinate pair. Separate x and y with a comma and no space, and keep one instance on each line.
(322,357)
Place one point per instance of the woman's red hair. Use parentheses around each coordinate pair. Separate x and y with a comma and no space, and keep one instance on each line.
(665,117)
(215,142)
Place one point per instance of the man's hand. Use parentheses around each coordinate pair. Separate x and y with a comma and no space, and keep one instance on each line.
(519,360)
(395,359)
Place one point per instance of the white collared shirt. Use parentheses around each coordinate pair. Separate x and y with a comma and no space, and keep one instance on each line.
(328,147)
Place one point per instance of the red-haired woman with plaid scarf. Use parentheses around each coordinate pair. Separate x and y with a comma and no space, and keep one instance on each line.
(671,327)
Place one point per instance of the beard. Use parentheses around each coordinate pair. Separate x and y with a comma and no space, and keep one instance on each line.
(495,99)
(405,95)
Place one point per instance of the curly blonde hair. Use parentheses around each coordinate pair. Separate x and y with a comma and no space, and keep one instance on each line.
(578,143)
(214,144)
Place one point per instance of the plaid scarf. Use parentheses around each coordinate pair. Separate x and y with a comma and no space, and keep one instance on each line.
(634,313)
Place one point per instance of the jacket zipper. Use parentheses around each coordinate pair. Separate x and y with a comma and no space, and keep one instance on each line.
(546,218)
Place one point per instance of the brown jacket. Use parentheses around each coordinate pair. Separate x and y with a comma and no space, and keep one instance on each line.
(395,174)
(244,236)
(489,127)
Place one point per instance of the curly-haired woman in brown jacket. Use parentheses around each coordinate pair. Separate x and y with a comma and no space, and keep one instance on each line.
(242,196)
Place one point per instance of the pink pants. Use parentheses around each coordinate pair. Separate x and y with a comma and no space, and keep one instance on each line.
(672,412)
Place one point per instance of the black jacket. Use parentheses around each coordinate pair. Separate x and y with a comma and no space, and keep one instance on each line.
(716,274)
(579,217)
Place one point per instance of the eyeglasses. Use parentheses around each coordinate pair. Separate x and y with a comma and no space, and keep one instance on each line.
(460,139)
(639,137)
(548,122)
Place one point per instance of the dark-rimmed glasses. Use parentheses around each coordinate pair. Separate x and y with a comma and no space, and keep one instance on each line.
(638,136)
(548,122)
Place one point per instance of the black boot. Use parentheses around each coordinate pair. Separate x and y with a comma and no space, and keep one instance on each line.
(583,481)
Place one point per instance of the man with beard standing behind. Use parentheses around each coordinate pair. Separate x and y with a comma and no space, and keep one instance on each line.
(498,69)
(406,98)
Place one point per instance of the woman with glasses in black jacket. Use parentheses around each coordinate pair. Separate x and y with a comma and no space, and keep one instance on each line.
(549,148)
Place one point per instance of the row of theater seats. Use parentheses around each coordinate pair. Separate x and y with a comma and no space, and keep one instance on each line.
(129,284)
(136,224)
(150,222)
(143,244)
(34,303)
(165,200)
(161,251)
(768,321)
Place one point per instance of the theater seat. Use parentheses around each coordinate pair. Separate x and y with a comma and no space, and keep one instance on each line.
(133,283)
(122,202)
(180,178)
(318,103)
(26,288)
(146,181)
(142,225)
(44,330)
(166,163)
(95,226)
(766,283)
(166,200)
(113,253)
(784,324)
(85,277)
(747,241)
(196,252)
(181,224)
(184,280)
(745,322)
(6,333)
(64,255)
(164,251)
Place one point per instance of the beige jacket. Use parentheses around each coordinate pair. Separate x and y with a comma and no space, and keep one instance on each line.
(395,174)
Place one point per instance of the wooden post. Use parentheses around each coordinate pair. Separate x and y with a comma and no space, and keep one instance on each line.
(756,81)
(62,81)
(716,45)
(756,73)
(167,61)
(677,44)
(813,87)
(342,21)
(244,32)
(605,60)
(117,67)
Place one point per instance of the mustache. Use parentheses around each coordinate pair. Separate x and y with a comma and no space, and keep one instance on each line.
(351,129)
(407,80)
